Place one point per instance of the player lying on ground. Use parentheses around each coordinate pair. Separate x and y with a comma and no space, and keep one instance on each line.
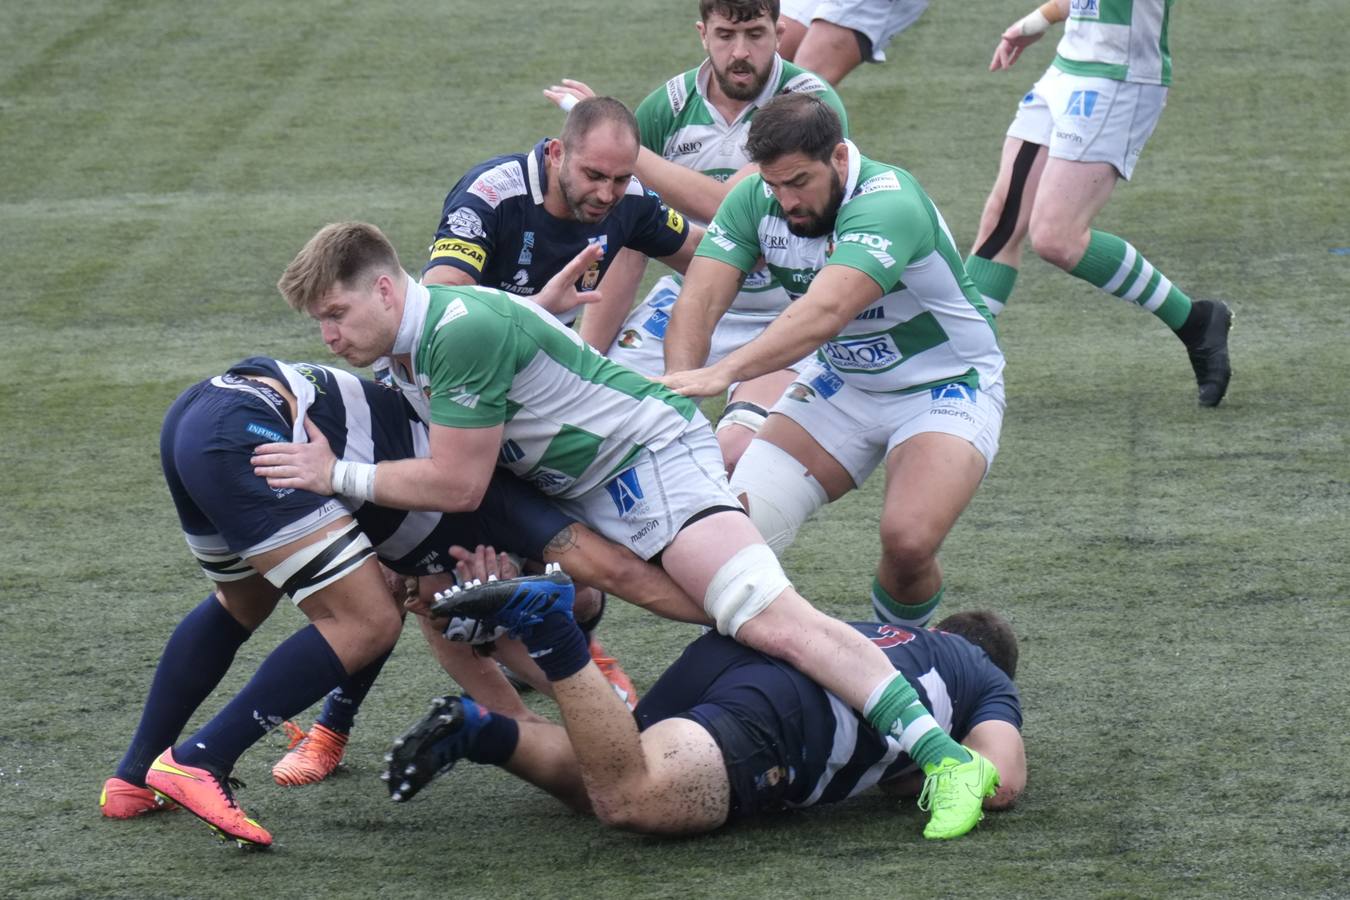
(255,544)
(498,379)
(726,733)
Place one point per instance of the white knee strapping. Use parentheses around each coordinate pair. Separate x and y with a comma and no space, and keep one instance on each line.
(780,494)
(318,565)
(743,413)
(743,587)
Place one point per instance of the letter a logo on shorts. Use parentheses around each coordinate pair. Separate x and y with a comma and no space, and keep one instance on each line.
(1081,103)
(626,491)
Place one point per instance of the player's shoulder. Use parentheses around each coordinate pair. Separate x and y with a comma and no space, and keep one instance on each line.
(493,182)
(675,96)
(882,191)
(797,80)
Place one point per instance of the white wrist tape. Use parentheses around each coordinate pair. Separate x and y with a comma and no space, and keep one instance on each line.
(567,102)
(354,480)
(1033,23)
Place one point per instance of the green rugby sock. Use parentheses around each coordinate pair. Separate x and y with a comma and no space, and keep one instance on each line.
(1113,265)
(888,609)
(993,280)
(894,709)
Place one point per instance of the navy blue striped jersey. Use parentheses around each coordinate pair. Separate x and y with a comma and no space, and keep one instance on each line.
(495,229)
(801,745)
(368,422)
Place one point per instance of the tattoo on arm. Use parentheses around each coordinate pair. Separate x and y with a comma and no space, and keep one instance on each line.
(560,543)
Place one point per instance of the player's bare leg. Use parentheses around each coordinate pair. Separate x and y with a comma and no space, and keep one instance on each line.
(763,392)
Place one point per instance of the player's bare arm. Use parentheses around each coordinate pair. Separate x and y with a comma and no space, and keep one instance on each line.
(1027,31)
(835,297)
(710,286)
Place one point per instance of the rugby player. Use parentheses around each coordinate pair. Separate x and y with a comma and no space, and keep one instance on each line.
(910,372)
(693,149)
(726,733)
(832,37)
(498,379)
(514,221)
(256,543)
(1078,131)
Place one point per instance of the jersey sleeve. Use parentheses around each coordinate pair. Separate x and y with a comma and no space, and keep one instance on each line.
(657,230)
(655,119)
(464,236)
(469,362)
(732,237)
(880,232)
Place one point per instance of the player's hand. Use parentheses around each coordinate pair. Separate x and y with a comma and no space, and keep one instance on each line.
(1010,47)
(482,564)
(567,94)
(710,381)
(306,467)
(560,293)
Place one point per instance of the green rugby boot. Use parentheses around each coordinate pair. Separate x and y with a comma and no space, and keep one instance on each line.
(954,793)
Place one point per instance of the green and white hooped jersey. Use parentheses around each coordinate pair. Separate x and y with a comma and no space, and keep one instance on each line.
(930,325)
(1123,40)
(677,122)
(573,419)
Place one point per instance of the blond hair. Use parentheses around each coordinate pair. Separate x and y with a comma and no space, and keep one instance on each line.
(340,254)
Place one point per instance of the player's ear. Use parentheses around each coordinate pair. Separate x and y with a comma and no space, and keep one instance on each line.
(555,151)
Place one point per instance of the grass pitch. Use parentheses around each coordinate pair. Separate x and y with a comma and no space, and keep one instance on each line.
(1177,576)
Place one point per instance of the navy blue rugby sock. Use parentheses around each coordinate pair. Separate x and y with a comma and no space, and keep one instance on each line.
(344,701)
(293,677)
(195,659)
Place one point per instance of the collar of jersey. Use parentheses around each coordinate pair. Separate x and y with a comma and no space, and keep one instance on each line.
(415,302)
(770,88)
(854,165)
(536,173)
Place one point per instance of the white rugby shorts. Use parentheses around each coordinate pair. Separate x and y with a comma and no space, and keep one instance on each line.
(879,20)
(859,428)
(1090,119)
(644,506)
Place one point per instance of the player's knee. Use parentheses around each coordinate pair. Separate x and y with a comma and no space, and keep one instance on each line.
(737,427)
(744,587)
(906,547)
(780,495)
(1055,244)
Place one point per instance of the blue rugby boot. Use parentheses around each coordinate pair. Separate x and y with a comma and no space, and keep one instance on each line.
(431,748)
(517,604)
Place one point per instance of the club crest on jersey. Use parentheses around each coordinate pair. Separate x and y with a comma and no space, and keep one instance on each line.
(592,275)
(891,636)
(465,223)
(626,491)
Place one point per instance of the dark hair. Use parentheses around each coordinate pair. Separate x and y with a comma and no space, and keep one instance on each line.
(738,11)
(793,123)
(592,112)
(990,632)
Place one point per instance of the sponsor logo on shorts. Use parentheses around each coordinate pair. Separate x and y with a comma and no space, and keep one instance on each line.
(674,221)
(630,339)
(869,354)
(643,531)
(1028,98)
(1085,9)
(656,324)
(526,249)
(626,491)
(465,223)
(431,563)
(799,392)
(263,431)
(663,299)
(454,311)
(1068,136)
(1081,104)
(827,384)
(453,248)
(955,390)
(891,636)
